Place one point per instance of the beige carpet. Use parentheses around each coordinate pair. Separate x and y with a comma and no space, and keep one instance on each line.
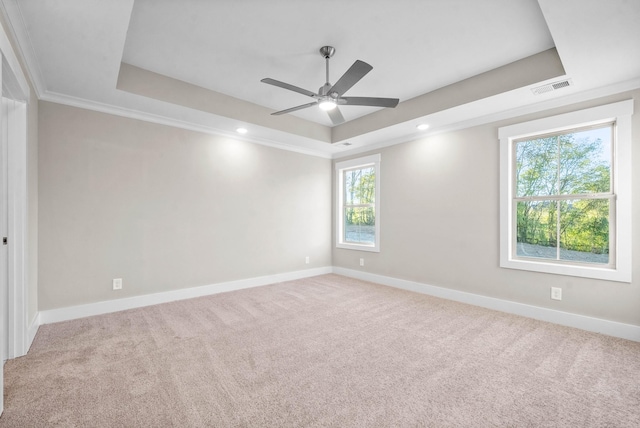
(324,351)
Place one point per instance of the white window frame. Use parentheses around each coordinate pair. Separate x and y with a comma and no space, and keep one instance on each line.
(362,162)
(620,113)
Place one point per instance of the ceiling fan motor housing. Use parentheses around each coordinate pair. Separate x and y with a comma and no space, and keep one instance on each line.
(324,91)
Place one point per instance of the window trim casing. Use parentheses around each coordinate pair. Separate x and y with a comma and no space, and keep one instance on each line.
(620,113)
(350,164)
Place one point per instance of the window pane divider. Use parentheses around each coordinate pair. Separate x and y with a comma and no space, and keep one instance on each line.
(359,205)
(565,197)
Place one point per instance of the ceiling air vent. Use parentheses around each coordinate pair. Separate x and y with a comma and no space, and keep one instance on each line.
(551,87)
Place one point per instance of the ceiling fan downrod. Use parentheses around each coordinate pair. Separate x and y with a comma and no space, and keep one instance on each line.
(327,52)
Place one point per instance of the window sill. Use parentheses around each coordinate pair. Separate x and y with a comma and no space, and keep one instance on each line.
(594,272)
(358,247)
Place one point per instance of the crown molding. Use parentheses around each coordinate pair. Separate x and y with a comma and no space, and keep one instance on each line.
(16,29)
(82,103)
(575,98)
(336,151)
(15,26)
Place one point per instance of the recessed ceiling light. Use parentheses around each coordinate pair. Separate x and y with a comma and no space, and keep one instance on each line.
(242,130)
(346,143)
(422,126)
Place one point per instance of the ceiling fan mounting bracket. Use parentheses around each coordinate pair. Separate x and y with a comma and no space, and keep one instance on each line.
(327,51)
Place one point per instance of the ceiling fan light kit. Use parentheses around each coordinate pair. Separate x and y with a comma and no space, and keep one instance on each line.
(327,105)
(330,96)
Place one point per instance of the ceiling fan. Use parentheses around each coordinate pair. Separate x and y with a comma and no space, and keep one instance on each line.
(329,96)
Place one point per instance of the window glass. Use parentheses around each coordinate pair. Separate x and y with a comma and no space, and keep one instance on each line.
(572,167)
(358,198)
(537,228)
(537,167)
(359,225)
(585,161)
(360,186)
(584,230)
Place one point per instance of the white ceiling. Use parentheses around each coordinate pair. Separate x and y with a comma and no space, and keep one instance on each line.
(74,50)
(414,49)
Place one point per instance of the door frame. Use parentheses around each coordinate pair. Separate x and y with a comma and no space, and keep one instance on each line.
(4,262)
(15,87)
(17,298)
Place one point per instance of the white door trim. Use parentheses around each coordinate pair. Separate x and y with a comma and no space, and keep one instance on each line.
(17,228)
(4,328)
(15,87)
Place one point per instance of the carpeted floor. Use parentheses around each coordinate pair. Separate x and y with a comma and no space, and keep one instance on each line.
(324,351)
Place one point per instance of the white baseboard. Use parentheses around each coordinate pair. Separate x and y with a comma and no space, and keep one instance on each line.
(105,307)
(610,328)
(33,329)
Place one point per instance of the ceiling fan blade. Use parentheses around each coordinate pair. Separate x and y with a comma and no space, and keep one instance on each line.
(289,87)
(368,101)
(289,110)
(352,76)
(336,116)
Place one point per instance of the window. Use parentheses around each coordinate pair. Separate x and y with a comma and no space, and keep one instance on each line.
(358,202)
(565,194)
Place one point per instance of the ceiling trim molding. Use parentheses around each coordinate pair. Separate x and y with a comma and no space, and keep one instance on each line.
(55,97)
(15,25)
(343,152)
(589,95)
(527,71)
(148,84)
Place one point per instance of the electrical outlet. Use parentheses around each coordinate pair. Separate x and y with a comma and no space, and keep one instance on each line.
(117,284)
(556,293)
(361,262)
(306,260)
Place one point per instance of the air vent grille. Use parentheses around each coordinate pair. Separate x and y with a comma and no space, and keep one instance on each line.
(551,87)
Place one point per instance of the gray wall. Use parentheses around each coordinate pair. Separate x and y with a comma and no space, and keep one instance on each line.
(166,208)
(440,224)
